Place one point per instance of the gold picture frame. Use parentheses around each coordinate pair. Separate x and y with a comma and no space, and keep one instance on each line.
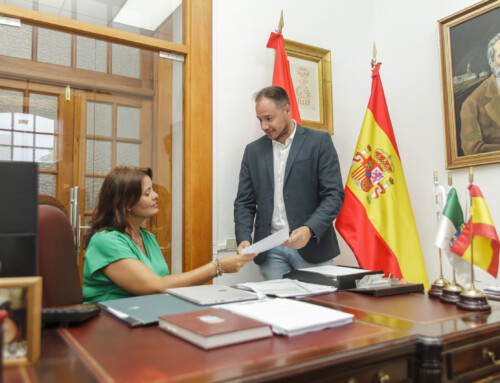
(311,72)
(463,44)
(22,326)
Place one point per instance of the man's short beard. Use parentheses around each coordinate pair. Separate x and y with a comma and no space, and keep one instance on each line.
(495,69)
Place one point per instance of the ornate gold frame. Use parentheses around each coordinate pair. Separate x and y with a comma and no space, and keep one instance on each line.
(321,58)
(454,94)
(33,285)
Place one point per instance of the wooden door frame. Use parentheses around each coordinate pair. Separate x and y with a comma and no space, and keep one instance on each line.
(197,50)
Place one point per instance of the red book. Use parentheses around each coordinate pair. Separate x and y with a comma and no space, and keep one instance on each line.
(211,327)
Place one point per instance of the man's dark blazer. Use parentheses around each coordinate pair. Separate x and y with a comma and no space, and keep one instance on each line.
(312,191)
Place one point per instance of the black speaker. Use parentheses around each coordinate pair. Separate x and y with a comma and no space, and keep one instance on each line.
(18,219)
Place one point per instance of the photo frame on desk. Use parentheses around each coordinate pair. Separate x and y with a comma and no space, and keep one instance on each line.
(311,72)
(466,77)
(22,298)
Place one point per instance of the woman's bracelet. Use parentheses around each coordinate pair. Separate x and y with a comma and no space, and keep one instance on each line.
(218,268)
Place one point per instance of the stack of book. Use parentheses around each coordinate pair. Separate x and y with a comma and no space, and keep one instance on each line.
(212,327)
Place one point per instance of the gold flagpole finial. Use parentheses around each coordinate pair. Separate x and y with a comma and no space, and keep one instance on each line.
(471,175)
(449,178)
(281,23)
(374,59)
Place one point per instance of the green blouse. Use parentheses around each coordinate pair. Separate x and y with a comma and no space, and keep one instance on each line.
(106,247)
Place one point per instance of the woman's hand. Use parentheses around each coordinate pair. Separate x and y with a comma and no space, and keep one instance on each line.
(233,263)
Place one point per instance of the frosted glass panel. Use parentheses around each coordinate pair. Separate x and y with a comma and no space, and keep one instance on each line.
(128,122)
(23,154)
(45,125)
(127,154)
(91,54)
(54,47)
(126,61)
(92,187)
(5,153)
(23,139)
(5,120)
(98,156)
(44,155)
(5,137)
(43,105)
(23,121)
(47,184)
(16,41)
(99,119)
(45,141)
(11,101)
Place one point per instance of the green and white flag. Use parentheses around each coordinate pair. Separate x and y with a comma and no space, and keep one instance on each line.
(450,221)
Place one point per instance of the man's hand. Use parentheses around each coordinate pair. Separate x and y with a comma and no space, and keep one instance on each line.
(241,246)
(299,238)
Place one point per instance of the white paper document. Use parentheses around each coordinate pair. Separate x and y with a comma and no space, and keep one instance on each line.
(269,242)
(287,288)
(290,317)
(335,271)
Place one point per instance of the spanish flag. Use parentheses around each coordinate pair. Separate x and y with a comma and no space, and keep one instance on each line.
(485,238)
(281,75)
(376,219)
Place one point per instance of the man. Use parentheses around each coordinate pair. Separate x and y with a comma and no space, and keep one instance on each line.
(289,178)
(480,114)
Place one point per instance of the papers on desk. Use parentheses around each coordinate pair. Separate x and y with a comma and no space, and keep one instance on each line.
(335,271)
(268,243)
(284,288)
(492,292)
(290,317)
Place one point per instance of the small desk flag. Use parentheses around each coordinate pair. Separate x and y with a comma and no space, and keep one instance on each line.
(450,221)
(281,75)
(485,238)
(376,219)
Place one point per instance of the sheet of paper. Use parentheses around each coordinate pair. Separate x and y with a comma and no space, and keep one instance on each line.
(335,271)
(287,288)
(268,243)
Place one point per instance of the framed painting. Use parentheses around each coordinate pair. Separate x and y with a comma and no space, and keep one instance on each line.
(22,298)
(311,72)
(469,43)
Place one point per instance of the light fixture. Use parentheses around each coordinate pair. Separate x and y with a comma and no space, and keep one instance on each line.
(147,14)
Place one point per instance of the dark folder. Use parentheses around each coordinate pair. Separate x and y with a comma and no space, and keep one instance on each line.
(341,282)
(145,309)
(385,291)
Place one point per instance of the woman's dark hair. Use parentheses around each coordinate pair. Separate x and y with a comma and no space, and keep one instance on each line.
(275,93)
(121,189)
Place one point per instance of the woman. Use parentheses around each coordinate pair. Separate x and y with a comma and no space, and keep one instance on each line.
(122,259)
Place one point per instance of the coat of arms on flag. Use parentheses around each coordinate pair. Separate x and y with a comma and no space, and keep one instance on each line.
(372,172)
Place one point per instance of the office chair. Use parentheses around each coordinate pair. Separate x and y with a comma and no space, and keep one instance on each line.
(62,293)
(57,258)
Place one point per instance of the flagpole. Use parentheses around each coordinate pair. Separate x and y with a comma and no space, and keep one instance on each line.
(472,299)
(281,23)
(374,58)
(436,289)
(451,292)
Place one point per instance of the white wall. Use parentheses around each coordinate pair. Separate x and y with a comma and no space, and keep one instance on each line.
(406,36)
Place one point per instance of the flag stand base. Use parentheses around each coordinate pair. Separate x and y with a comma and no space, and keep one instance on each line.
(436,290)
(473,300)
(451,293)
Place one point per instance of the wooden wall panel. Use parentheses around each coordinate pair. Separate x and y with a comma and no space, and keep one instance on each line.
(197,241)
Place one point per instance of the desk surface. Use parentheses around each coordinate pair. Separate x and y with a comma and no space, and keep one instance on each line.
(385,329)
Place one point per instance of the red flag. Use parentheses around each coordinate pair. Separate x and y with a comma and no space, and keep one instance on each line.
(281,75)
(376,219)
(485,238)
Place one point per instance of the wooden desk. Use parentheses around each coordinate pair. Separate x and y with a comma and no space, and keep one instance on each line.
(408,338)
